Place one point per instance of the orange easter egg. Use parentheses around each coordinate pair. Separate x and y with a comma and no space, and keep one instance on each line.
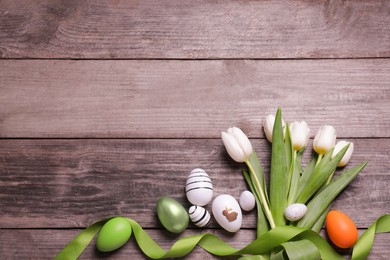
(341,229)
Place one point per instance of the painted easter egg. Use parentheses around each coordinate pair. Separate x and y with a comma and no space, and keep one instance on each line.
(295,211)
(227,212)
(114,234)
(341,229)
(199,216)
(172,215)
(247,200)
(199,189)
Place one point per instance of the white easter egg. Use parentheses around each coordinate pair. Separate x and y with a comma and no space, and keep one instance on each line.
(227,212)
(247,200)
(199,216)
(295,211)
(199,189)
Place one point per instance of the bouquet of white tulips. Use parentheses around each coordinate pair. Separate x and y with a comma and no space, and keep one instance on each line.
(312,187)
(290,214)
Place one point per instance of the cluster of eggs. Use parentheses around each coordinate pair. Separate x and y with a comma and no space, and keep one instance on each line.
(226,211)
(199,192)
(225,208)
(175,218)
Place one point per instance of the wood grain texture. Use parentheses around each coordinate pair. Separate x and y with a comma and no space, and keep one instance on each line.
(23,244)
(72,183)
(107,105)
(194,29)
(190,99)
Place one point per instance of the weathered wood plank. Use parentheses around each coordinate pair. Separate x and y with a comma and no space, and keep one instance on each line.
(45,244)
(187,99)
(189,29)
(71,183)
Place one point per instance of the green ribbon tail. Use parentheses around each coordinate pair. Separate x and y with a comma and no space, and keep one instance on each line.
(76,247)
(364,244)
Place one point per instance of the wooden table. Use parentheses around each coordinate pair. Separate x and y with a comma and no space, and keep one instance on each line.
(107,105)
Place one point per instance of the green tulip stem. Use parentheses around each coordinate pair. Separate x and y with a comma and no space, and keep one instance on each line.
(319,159)
(292,165)
(263,200)
(292,190)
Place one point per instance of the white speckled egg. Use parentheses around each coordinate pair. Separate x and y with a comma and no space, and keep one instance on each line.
(247,200)
(199,216)
(227,212)
(295,211)
(199,189)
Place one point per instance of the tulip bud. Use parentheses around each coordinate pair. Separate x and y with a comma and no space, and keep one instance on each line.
(325,139)
(268,125)
(237,144)
(300,133)
(347,156)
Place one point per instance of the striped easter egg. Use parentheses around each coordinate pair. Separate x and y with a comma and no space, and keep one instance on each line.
(199,189)
(199,216)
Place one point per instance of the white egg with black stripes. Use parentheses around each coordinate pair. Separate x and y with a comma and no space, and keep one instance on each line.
(199,189)
(199,216)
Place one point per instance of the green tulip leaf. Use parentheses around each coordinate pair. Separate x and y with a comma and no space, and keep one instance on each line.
(301,250)
(322,200)
(296,173)
(307,172)
(320,221)
(321,173)
(279,181)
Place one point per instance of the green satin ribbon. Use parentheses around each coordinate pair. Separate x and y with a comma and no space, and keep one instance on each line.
(75,247)
(279,236)
(364,244)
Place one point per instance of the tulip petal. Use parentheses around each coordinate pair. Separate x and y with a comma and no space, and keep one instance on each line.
(300,134)
(268,125)
(348,154)
(232,147)
(325,139)
(242,141)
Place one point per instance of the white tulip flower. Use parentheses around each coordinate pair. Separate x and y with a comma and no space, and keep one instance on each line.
(240,149)
(237,144)
(300,134)
(268,125)
(347,156)
(325,139)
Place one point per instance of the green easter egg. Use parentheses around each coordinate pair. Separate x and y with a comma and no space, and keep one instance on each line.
(114,234)
(172,215)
